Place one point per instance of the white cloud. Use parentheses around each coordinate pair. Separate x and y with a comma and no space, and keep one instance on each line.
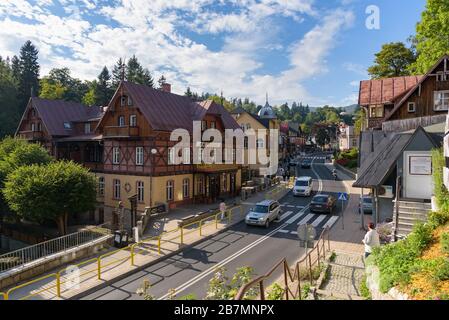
(155,32)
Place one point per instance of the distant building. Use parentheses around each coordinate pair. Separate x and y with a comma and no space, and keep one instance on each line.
(347,139)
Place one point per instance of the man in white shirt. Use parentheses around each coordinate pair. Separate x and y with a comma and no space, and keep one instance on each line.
(371,240)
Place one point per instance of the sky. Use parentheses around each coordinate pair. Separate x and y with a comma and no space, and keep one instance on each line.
(310,51)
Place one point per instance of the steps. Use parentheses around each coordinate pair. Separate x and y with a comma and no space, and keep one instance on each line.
(410,213)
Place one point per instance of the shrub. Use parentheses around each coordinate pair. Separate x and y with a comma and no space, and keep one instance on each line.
(276,292)
(364,291)
(438,218)
(445,243)
(440,190)
(441,273)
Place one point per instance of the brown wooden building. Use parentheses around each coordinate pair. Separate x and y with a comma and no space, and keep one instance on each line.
(410,97)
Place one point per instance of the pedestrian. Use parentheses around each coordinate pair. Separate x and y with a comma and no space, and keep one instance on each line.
(371,239)
(222,209)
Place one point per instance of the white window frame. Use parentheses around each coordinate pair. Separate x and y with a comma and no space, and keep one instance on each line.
(411,104)
(186,188)
(186,156)
(445,99)
(133,120)
(67,126)
(170,190)
(115,155)
(130,101)
(260,143)
(140,155)
(140,186)
(123,100)
(116,186)
(33,127)
(120,122)
(101,186)
(171,156)
(87,128)
(213,125)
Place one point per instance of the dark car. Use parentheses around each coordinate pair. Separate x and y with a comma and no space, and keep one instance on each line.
(323,203)
(306,164)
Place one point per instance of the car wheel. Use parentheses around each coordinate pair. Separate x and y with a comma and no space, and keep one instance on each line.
(267,223)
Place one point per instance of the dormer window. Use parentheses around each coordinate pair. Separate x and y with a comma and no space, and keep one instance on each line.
(33,112)
(130,101)
(67,126)
(123,100)
(411,107)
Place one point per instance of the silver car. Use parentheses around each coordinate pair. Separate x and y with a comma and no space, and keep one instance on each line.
(264,213)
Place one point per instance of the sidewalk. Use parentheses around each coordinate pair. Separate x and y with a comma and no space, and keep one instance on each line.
(113,264)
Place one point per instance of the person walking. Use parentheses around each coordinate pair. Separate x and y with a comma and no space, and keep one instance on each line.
(371,239)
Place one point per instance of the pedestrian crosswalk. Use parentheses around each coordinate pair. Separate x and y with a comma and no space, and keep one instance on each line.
(318,221)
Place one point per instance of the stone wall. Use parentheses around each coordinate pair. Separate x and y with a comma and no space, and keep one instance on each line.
(372,282)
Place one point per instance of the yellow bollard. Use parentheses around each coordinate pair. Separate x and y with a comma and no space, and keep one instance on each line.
(229,216)
(159,245)
(132,254)
(182,235)
(99,268)
(6,296)
(201,224)
(58,285)
(216,221)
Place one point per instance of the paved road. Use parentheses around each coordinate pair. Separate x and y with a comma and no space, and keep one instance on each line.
(189,271)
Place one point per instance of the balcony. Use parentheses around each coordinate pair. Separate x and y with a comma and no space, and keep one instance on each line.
(120,132)
(30,135)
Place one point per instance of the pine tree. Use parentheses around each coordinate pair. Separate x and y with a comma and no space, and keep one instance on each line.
(103,88)
(29,73)
(188,93)
(161,81)
(117,73)
(137,74)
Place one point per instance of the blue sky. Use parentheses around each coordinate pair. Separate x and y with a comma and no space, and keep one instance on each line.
(314,51)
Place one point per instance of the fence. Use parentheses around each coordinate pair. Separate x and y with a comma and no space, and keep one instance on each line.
(270,195)
(304,268)
(20,258)
(93,269)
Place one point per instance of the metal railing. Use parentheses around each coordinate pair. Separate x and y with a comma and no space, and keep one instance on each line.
(304,268)
(20,258)
(270,195)
(95,267)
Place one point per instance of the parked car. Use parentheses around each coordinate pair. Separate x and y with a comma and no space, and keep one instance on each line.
(293,163)
(323,203)
(306,164)
(303,186)
(367,202)
(264,213)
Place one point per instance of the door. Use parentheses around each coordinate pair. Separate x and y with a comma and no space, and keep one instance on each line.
(417,170)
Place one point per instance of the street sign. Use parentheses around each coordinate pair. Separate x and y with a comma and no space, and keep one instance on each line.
(343,196)
(306,232)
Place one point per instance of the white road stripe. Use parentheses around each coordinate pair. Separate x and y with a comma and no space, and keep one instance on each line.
(307,218)
(330,222)
(284,231)
(318,220)
(294,233)
(296,217)
(285,215)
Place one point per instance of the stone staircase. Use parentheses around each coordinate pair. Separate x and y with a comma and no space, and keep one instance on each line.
(408,214)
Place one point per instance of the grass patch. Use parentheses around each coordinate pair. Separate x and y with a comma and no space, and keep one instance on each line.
(364,291)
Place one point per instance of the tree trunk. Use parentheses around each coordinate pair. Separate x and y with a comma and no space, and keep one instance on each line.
(61,221)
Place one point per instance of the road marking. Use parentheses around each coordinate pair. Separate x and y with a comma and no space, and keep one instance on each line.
(307,218)
(295,233)
(296,216)
(285,215)
(330,222)
(284,231)
(318,220)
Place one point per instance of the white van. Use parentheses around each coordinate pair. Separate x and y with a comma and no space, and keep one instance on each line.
(303,186)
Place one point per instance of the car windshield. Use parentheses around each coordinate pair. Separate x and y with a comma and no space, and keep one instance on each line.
(301,183)
(260,209)
(320,199)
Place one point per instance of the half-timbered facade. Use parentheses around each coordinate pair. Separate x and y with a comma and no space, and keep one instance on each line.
(411,97)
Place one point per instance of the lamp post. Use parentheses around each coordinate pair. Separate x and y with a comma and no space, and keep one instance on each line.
(133,202)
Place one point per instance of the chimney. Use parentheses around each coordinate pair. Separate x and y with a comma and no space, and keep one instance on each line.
(166,87)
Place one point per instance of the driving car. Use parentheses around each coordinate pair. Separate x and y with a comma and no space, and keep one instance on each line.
(367,202)
(264,213)
(302,186)
(306,164)
(323,203)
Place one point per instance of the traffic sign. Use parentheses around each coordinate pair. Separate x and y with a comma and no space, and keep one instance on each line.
(306,232)
(343,196)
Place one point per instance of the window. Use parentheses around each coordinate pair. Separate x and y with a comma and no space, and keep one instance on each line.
(440,76)
(116,155)
(121,121)
(171,156)
(185,188)
(245,142)
(140,191)
(39,126)
(203,125)
(248,126)
(170,190)
(133,120)
(186,156)
(260,143)
(201,186)
(376,111)
(33,112)
(87,128)
(33,127)
(130,101)
(213,125)
(441,101)
(411,107)
(123,101)
(116,187)
(67,125)
(139,156)
(101,186)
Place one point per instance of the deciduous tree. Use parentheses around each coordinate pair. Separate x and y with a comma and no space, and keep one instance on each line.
(393,60)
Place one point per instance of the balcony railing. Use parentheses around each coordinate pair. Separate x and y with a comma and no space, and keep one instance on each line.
(30,135)
(120,132)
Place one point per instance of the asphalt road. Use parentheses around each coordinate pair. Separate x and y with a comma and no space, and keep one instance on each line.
(190,271)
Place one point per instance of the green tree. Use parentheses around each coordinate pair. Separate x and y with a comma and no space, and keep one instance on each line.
(10,110)
(59,84)
(322,137)
(393,60)
(103,88)
(162,80)
(432,35)
(51,192)
(29,73)
(118,73)
(223,288)
(90,98)
(52,90)
(137,74)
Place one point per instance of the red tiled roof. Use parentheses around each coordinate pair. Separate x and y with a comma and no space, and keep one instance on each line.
(386,90)
(54,113)
(167,111)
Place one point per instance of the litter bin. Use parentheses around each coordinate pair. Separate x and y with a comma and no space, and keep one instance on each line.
(120,239)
